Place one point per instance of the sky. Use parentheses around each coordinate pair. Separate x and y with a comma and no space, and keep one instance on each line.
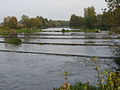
(51,9)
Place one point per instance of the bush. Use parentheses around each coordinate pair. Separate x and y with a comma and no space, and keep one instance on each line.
(15,41)
(115,30)
(63,30)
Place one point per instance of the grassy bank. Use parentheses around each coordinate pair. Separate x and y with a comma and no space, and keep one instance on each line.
(82,30)
(17,31)
(27,31)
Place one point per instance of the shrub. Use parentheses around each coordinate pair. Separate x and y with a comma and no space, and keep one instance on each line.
(15,41)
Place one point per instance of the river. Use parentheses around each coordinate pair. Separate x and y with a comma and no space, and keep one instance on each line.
(31,71)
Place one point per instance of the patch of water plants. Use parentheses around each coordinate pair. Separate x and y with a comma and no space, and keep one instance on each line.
(41,44)
(89,42)
(13,40)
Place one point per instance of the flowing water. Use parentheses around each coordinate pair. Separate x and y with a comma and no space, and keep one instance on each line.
(29,71)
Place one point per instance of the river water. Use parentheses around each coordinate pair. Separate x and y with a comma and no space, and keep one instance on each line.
(26,71)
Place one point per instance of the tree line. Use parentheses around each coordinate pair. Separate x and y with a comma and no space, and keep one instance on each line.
(109,19)
(34,23)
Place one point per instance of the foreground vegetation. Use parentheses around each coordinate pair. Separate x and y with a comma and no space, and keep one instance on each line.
(111,83)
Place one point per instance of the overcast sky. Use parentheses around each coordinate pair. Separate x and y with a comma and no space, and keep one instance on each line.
(51,9)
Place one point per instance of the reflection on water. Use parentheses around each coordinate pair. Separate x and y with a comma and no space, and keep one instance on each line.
(26,39)
(12,47)
(9,37)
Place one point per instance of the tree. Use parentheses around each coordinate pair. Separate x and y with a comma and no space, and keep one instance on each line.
(41,21)
(90,17)
(89,20)
(10,22)
(114,12)
(74,21)
(25,21)
(46,22)
(51,23)
(34,23)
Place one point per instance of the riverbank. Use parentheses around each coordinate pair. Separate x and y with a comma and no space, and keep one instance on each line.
(17,31)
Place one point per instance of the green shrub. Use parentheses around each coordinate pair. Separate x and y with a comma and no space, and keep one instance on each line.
(15,41)
(63,30)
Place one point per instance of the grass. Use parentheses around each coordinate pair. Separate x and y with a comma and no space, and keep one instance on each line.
(82,30)
(80,86)
(28,30)
(25,30)
(4,31)
(88,30)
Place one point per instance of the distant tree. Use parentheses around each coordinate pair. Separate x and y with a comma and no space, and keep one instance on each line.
(51,23)
(61,23)
(46,22)
(89,20)
(114,12)
(90,17)
(74,21)
(25,21)
(34,23)
(10,22)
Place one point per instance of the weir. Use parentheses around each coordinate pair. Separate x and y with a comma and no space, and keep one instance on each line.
(71,55)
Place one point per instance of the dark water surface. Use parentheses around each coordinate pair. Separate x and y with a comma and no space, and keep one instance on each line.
(43,72)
